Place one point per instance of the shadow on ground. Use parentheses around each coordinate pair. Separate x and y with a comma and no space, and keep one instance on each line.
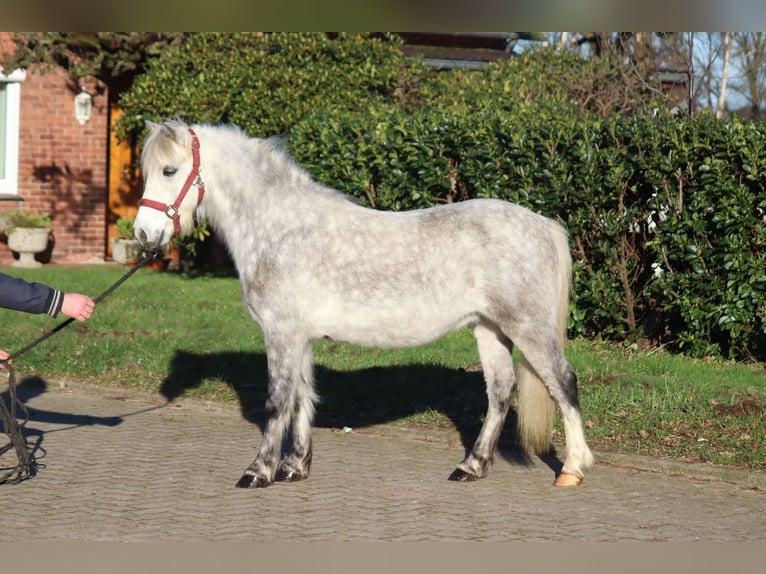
(31,387)
(355,399)
(26,417)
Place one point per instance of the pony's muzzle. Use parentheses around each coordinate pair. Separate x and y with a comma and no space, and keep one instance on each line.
(141,236)
(151,243)
(147,245)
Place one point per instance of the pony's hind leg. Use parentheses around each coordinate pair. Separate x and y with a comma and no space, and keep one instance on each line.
(547,360)
(495,352)
(285,362)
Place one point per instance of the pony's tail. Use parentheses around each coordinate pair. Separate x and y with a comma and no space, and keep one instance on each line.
(536,406)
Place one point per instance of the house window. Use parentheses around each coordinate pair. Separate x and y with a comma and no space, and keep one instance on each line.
(10,98)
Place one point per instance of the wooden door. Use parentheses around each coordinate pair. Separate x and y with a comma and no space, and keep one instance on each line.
(124,178)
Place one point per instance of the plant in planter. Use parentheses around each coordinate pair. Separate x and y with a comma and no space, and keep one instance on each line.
(27,234)
(189,242)
(125,247)
(183,248)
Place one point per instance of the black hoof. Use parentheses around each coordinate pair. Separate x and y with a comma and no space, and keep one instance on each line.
(460,475)
(288,476)
(252,481)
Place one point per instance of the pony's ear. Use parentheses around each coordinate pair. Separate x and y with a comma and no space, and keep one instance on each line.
(167,130)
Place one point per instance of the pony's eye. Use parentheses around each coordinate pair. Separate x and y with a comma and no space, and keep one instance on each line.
(169,171)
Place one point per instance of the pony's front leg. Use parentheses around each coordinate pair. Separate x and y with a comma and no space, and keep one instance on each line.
(297,463)
(285,363)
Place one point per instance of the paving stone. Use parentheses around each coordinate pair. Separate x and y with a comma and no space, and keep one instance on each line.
(124,467)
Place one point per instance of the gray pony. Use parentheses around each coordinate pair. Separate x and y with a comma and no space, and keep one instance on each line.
(314,264)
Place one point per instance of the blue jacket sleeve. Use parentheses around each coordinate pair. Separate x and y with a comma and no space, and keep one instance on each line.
(36,298)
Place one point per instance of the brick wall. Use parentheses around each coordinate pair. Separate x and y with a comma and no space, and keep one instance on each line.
(63,166)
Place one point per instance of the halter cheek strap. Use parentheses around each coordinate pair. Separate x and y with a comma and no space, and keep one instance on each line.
(192,179)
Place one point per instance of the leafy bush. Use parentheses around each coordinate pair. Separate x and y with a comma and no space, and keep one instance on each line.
(264,83)
(667,215)
(711,236)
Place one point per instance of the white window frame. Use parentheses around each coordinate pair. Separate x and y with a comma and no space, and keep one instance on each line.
(9,183)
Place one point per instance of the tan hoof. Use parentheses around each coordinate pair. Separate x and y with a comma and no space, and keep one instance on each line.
(567,479)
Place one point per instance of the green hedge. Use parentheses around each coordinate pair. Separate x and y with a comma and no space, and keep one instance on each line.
(264,83)
(667,214)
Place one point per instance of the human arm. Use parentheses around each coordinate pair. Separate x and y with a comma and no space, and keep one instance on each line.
(37,298)
(27,297)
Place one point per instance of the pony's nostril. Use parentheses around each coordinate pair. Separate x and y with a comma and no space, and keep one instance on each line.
(141,236)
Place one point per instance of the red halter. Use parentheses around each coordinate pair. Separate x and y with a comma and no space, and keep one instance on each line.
(193,179)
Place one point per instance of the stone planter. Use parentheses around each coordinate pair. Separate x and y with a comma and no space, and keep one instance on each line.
(27,241)
(125,250)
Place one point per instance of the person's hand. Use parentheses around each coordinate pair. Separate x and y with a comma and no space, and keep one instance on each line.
(3,356)
(78,306)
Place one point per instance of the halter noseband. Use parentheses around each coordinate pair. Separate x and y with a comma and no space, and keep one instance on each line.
(192,179)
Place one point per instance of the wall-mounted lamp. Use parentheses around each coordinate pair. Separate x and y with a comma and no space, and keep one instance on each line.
(83,106)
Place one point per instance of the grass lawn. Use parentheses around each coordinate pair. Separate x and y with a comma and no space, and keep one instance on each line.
(178,334)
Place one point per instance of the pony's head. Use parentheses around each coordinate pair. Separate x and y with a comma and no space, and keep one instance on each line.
(170,169)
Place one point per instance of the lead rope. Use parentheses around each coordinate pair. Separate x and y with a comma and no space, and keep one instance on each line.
(27,467)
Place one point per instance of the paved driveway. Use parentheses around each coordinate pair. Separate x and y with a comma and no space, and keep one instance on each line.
(118,466)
